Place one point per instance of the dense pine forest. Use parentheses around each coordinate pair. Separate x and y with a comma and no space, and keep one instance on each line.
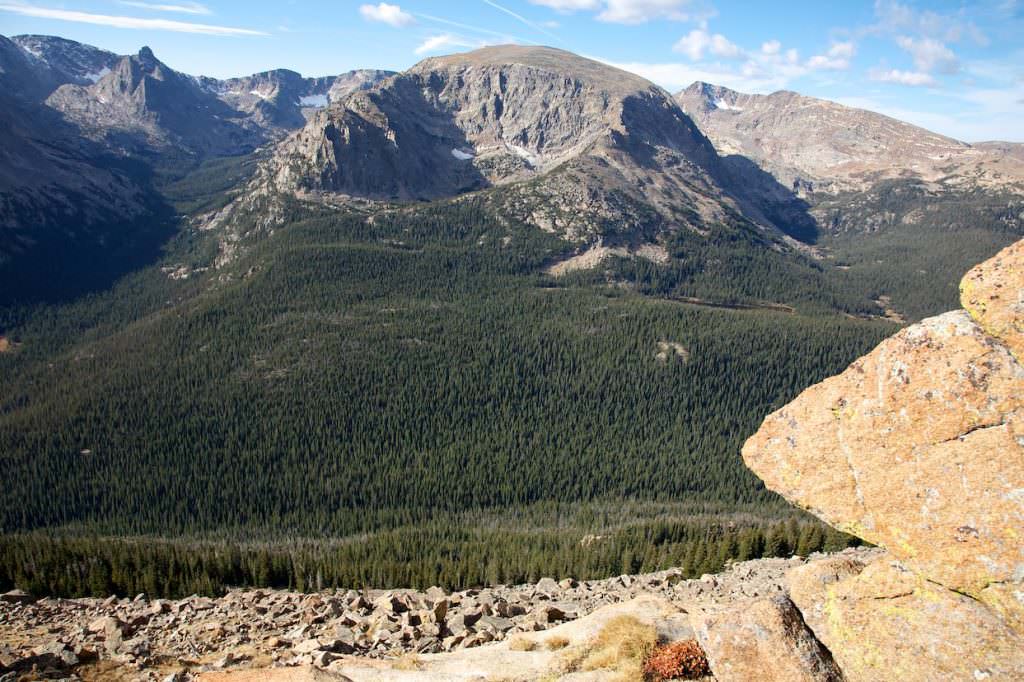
(403,397)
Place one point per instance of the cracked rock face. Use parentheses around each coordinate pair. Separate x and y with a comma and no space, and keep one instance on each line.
(993,293)
(884,622)
(919,445)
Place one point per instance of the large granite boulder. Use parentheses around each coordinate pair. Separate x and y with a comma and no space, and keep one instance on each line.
(763,639)
(917,447)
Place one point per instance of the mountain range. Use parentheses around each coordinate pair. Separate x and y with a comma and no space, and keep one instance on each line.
(624,163)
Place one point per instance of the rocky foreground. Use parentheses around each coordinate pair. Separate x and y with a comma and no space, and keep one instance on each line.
(159,639)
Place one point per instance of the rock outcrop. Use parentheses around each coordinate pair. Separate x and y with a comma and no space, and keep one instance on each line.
(882,621)
(372,635)
(918,447)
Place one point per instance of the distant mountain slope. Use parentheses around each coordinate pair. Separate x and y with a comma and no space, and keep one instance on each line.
(279,98)
(812,144)
(74,62)
(143,103)
(616,154)
(51,179)
(272,100)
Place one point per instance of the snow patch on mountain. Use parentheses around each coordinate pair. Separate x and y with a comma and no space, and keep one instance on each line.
(95,77)
(722,104)
(313,101)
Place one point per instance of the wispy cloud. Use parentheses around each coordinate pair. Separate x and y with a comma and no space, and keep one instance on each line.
(126,22)
(764,69)
(930,54)
(445,41)
(504,37)
(633,11)
(915,78)
(180,8)
(566,6)
(837,58)
(896,17)
(392,15)
(523,20)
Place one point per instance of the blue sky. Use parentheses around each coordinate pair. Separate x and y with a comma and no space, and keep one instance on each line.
(954,67)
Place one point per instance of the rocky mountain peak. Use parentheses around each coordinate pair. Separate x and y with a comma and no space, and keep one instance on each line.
(142,102)
(495,116)
(70,61)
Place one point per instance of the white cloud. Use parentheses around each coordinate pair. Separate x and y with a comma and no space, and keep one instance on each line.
(568,5)
(915,78)
(180,8)
(930,55)
(771,47)
(633,11)
(392,15)
(641,11)
(126,22)
(674,76)
(698,41)
(836,59)
(444,42)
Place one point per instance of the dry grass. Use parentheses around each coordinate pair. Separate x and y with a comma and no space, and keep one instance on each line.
(555,643)
(622,639)
(622,646)
(407,662)
(521,643)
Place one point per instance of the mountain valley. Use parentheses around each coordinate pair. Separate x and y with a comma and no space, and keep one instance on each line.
(507,314)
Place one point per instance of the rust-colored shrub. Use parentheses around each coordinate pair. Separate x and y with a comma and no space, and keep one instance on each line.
(682,660)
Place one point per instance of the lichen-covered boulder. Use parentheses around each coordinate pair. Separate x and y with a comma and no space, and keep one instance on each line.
(917,447)
(883,622)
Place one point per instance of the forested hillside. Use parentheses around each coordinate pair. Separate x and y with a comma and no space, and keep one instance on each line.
(353,374)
